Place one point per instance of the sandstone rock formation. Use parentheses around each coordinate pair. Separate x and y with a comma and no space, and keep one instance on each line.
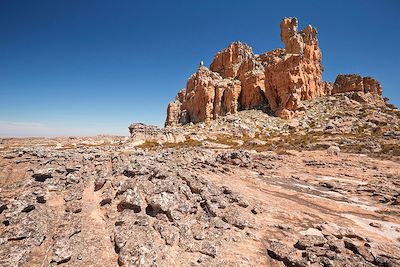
(328,88)
(207,95)
(298,75)
(239,62)
(277,80)
(354,82)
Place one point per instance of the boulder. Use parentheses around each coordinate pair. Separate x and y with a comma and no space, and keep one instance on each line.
(309,241)
(62,251)
(42,174)
(131,200)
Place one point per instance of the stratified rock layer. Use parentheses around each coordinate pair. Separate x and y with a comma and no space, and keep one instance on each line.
(141,133)
(277,80)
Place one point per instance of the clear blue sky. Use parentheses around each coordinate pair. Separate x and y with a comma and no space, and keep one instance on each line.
(91,67)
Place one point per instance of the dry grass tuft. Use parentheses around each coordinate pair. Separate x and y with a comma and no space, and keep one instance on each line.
(152,145)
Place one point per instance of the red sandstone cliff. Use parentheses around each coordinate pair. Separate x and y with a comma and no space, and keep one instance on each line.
(279,80)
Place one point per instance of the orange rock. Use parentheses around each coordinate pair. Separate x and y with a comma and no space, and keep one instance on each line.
(279,80)
(355,83)
(228,61)
(290,37)
(173,112)
(253,90)
(206,96)
(348,83)
(372,86)
(298,75)
(238,61)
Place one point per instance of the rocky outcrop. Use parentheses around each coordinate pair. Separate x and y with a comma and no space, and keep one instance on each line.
(355,83)
(297,73)
(239,62)
(277,80)
(141,133)
(173,112)
(328,88)
(208,95)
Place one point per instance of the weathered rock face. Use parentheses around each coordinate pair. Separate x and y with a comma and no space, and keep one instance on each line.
(355,83)
(173,112)
(148,133)
(233,61)
(239,62)
(292,39)
(207,96)
(297,73)
(224,197)
(278,80)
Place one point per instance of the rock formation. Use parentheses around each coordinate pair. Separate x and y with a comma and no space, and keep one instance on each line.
(297,73)
(239,62)
(277,80)
(353,82)
(141,133)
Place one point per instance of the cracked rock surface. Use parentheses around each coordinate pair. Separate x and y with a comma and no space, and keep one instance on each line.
(115,204)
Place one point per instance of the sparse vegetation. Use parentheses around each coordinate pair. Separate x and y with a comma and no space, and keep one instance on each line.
(224,140)
(149,145)
(392,149)
(152,145)
(186,144)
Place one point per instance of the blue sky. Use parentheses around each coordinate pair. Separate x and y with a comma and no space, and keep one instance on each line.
(93,67)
